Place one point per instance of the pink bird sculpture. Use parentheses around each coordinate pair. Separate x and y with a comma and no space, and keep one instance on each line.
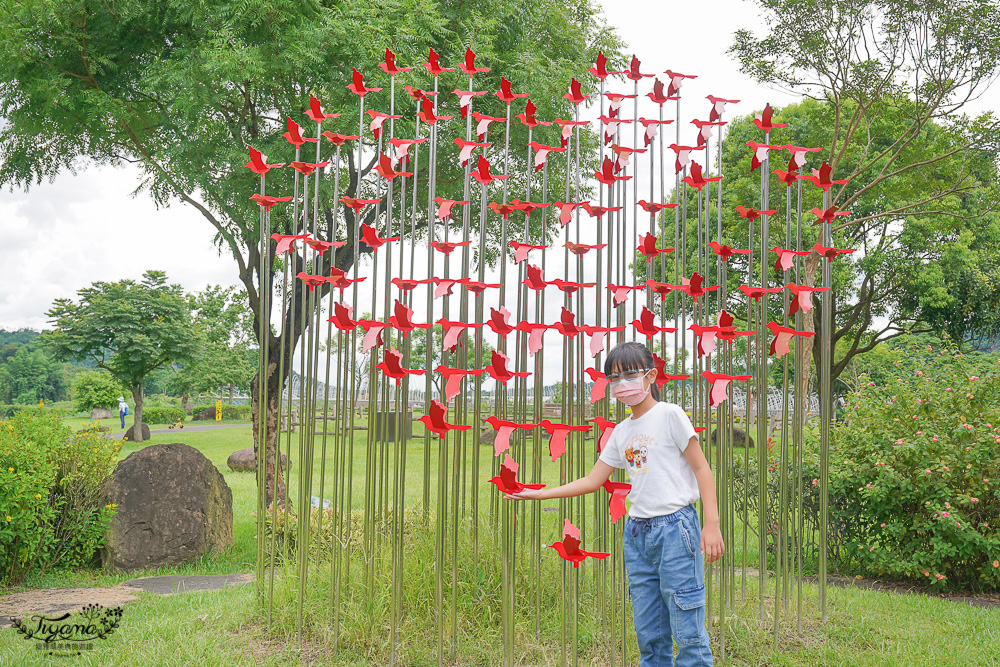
(575,94)
(386,170)
(258,162)
(357,205)
(786,258)
(357,85)
(446,206)
(294,134)
(557,435)
(482,172)
(453,379)
(600,69)
(652,128)
(605,427)
(803,297)
(433,64)
(676,81)
(469,64)
(378,119)
(757,293)
(829,214)
(498,368)
(391,366)
(725,251)
(569,548)
(831,253)
(315,111)
(541,153)
(286,242)
(402,319)
(521,250)
(436,420)
(718,383)
(718,106)
(369,236)
(782,338)
(466,148)
(566,210)
(505,93)
(764,120)
(389,64)
(616,504)
(646,326)
(339,139)
(528,115)
(266,202)
(696,180)
(647,246)
(507,482)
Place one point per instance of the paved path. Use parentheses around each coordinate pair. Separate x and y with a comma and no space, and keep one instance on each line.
(193,427)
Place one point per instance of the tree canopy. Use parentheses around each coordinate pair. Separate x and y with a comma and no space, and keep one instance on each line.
(126,328)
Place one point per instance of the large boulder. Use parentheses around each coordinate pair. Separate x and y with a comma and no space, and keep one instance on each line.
(244,460)
(130,433)
(100,413)
(208,414)
(173,506)
(738,438)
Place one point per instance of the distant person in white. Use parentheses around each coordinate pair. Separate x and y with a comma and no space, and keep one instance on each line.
(122,409)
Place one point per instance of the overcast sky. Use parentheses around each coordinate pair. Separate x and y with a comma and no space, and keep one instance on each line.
(64,235)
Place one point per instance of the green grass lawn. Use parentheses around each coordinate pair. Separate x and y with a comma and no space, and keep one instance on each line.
(224,628)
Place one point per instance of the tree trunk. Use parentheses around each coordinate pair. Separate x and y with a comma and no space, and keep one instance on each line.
(232,388)
(804,346)
(273,475)
(138,395)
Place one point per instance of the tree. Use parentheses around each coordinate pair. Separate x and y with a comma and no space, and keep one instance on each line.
(227,355)
(180,90)
(96,389)
(29,376)
(127,329)
(892,78)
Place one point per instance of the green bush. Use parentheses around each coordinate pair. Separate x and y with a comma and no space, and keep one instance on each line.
(162,415)
(231,412)
(53,485)
(96,389)
(914,468)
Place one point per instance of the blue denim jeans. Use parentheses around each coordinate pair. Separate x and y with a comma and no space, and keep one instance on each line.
(666,579)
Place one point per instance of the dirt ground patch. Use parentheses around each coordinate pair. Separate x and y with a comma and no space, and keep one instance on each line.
(59,601)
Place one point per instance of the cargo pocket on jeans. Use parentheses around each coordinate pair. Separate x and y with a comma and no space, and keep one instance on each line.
(687,619)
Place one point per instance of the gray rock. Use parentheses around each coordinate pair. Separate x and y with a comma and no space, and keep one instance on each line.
(100,413)
(738,438)
(208,414)
(173,506)
(130,433)
(243,460)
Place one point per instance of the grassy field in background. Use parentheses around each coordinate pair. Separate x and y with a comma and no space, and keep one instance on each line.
(223,627)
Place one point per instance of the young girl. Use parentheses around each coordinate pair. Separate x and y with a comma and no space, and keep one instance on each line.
(668,472)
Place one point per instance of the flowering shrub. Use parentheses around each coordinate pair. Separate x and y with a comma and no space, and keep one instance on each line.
(52,494)
(914,468)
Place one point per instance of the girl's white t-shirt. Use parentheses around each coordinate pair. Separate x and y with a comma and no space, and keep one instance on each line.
(651,449)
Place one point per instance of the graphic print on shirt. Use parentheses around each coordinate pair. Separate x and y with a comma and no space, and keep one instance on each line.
(636,451)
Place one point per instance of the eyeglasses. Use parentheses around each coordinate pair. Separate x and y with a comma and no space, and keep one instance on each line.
(627,375)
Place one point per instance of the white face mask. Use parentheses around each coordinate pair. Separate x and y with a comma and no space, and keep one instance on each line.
(630,392)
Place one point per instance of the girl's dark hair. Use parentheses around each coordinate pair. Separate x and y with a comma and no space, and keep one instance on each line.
(630,357)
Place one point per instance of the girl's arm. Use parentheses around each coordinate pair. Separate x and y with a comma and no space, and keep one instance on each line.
(599,474)
(711,536)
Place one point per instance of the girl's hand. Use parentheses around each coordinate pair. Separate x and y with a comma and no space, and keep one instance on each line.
(711,543)
(524,494)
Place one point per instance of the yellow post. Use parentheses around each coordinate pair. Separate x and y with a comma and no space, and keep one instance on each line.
(218,411)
